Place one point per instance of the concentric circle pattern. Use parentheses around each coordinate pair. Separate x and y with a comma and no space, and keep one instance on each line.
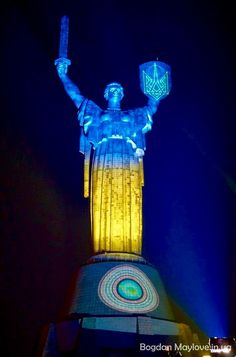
(126,288)
(129,289)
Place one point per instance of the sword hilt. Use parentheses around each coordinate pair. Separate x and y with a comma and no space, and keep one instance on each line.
(62,65)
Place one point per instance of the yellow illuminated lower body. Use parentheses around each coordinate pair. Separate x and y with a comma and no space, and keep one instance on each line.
(116,198)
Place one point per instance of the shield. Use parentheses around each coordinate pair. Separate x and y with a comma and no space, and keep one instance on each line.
(155,79)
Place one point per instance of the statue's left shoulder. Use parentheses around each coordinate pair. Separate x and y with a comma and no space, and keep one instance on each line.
(140,114)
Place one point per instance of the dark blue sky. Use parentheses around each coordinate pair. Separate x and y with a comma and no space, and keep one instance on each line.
(189,194)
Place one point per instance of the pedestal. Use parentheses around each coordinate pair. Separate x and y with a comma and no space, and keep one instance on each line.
(118,306)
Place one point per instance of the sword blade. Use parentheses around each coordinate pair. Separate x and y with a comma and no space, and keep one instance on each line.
(64,34)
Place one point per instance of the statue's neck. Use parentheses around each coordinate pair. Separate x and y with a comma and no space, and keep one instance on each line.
(113,104)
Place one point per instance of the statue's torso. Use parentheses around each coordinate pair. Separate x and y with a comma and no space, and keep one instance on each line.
(129,125)
(115,124)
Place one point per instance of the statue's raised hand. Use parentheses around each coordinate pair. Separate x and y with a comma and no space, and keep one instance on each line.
(62,66)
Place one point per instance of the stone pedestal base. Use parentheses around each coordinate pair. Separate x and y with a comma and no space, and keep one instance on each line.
(118,306)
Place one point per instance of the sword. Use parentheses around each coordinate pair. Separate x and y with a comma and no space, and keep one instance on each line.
(63,45)
(64,34)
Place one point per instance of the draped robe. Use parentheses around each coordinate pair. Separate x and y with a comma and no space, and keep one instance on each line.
(113,174)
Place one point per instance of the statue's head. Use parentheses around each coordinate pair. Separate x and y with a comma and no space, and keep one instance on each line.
(114,90)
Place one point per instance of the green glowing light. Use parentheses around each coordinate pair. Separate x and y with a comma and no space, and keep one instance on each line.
(129,289)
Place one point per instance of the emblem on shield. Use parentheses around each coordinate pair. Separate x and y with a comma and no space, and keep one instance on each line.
(155,79)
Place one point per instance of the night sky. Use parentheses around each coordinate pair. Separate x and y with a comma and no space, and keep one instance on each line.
(190,169)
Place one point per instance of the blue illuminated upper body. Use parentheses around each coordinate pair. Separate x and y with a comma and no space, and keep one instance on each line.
(99,124)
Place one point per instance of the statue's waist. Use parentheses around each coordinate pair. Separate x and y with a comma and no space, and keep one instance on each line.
(119,138)
(113,137)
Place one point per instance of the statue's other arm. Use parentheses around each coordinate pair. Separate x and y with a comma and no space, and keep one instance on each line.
(149,110)
(71,89)
(152,106)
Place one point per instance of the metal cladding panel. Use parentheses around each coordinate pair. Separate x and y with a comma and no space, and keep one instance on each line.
(120,288)
(92,336)
(147,326)
(121,324)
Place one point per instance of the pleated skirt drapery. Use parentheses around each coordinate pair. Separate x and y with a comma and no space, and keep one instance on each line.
(116,198)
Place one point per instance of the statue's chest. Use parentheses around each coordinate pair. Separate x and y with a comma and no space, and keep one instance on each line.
(115,117)
(115,123)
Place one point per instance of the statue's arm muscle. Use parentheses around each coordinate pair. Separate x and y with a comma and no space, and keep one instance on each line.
(72,90)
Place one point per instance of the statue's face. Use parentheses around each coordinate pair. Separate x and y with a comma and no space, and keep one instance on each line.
(114,90)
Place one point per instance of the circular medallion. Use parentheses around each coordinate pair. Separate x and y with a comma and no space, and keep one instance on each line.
(127,288)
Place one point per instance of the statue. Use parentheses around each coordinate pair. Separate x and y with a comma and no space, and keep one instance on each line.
(113,175)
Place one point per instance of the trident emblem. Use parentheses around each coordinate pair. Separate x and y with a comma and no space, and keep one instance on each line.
(155,79)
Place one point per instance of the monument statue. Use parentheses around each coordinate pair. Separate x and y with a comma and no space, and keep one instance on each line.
(113,174)
(118,298)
